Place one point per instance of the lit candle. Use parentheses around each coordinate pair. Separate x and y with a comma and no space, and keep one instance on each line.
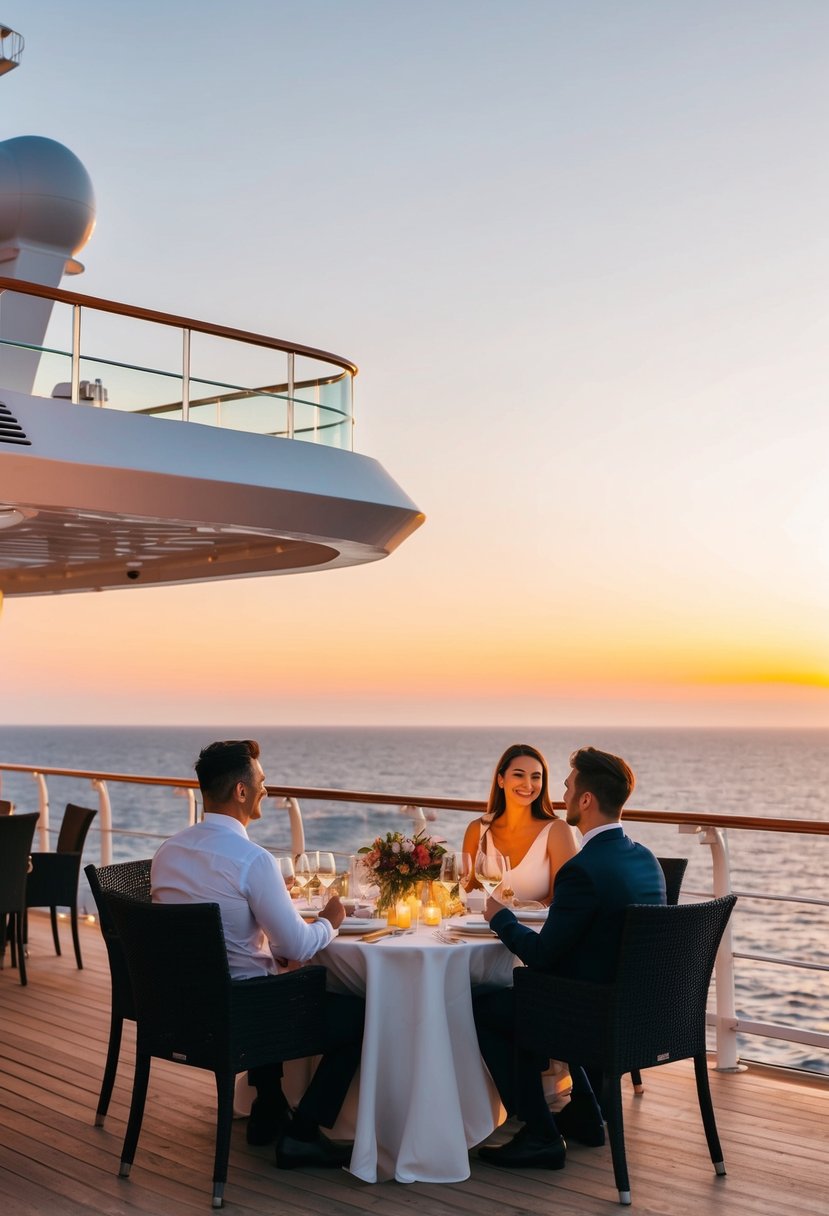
(431,914)
(404,916)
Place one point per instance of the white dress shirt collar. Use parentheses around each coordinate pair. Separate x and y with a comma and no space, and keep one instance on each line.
(605,827)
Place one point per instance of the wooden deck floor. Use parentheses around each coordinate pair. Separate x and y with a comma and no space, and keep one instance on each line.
(53,1162)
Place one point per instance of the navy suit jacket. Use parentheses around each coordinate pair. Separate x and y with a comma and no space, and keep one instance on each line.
(581,936)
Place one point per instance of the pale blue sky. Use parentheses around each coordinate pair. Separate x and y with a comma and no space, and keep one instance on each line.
(579,251)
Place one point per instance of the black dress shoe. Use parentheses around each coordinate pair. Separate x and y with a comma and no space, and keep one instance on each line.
(527,1151)
(292,1154)
(265,1126)
(581,1121)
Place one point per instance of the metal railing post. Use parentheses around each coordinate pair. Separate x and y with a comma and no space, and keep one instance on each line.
(185,375)
(105,822)
(289,422)
(297,827)
(726,1010)
(43,811)
(76,354)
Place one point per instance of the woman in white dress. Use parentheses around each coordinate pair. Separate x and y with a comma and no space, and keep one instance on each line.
(521,824)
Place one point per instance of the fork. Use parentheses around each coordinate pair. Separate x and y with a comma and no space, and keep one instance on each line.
(448,939)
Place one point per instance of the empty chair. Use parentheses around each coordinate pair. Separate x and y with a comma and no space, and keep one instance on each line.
(16,835)
(674,870)
(190,1011)
(6,807)
(53,882)
(654,1012)
(126,878)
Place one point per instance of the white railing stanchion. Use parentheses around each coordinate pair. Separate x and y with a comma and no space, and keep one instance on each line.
(291,805)
(43,811)
(728,1059)
(105,821)
(192,816)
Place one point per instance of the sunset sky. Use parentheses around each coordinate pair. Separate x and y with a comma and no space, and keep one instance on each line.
(579,250)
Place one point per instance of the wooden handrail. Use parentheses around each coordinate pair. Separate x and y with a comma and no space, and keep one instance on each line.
(171,319)
(756,823)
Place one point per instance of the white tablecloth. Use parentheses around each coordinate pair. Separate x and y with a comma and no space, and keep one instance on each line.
(425,1096)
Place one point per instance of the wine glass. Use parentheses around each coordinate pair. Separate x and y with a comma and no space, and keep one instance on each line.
(326,872)
(360,880)
(455,870)
(286,869)
(304,871)
(490,869)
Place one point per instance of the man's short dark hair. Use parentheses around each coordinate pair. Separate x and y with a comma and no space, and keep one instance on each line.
(607,777)
(221,766)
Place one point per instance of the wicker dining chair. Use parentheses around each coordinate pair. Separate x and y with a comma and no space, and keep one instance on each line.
(130,878)
(16,835)
(53,881)
(674,870)
(654,1012)
(190,1011)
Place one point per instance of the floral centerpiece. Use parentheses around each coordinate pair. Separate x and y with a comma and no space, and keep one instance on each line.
(398,864)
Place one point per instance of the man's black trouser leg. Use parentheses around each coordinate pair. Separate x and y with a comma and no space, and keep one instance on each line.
(344,1017)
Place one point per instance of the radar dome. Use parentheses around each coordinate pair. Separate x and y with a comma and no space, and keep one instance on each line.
(46,195)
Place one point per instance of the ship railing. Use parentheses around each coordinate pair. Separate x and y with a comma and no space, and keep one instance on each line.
(711,830)
(195,371)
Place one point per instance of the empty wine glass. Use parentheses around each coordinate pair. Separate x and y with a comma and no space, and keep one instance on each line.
(286,869)
(490,869)
(360,880)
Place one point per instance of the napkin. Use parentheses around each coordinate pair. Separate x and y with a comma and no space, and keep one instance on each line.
(376,934)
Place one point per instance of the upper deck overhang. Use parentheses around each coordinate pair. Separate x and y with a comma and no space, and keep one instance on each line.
(92,499)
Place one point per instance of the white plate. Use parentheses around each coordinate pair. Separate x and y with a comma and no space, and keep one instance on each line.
(531,914)
(359,924)
(469,924)
(308,913)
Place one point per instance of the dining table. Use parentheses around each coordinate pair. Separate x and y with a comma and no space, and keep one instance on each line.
(423,1096)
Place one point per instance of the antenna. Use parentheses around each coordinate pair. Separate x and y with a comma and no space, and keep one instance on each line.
(11,48)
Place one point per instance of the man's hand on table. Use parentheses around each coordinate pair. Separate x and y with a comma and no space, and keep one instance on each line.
(492,906)
(333,911)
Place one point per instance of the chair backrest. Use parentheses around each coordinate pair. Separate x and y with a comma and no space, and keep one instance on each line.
(181,983)
(73,828)
(674,870)
(665,964)
(16,835)
(130,878)
(6,807)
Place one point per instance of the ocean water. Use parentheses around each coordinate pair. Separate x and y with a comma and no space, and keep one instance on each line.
(756,772)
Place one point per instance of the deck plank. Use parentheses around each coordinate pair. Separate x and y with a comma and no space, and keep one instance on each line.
(54,1162)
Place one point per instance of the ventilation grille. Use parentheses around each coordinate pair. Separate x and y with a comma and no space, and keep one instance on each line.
(10,429)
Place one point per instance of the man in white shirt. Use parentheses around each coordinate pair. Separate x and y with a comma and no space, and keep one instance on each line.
(215,862)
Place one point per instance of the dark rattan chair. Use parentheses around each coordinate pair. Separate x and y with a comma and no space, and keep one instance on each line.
(53,881)
(130,878)
(190,1011)
(16,835)
(674,870)
(6,807)
(653,1014)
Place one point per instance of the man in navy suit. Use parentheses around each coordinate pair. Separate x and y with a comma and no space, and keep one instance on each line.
(580,939)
